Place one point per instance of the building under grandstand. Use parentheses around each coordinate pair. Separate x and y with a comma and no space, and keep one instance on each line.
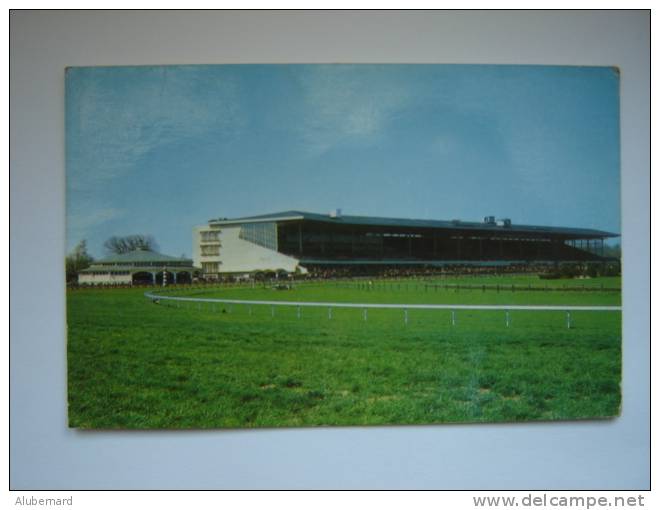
(139,266)
(295,241)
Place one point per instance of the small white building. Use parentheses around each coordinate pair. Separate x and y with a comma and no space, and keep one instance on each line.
(140,267)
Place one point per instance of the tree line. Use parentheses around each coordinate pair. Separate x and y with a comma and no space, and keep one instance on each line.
(130,243)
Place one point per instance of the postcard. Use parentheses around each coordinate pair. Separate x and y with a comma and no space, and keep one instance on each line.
(342,245)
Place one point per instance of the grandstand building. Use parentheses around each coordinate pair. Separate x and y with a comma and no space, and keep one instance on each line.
(299,241)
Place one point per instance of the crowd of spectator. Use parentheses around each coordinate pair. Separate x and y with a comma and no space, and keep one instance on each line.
(584,269)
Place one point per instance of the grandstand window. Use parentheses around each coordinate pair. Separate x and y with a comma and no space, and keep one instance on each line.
(210,250)
(263,234)
(210,236)
(210,267)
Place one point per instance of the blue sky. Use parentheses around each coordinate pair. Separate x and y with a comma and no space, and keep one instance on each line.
(157,150)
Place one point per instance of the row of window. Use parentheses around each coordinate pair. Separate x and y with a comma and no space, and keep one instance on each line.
(124,273)
(211,250)
(210,267)
(173,263)
(106,273)
(210,236)
(262,234)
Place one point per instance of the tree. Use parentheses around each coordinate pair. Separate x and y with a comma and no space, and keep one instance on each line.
(125,244)
(76,261)
(612,250)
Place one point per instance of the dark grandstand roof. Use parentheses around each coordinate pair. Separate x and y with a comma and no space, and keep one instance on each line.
(416,223)
(140,255)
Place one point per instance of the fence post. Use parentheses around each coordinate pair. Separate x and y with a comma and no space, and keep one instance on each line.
(329,313)
(364,313)
(453,318)
(568,319)
(272,311)
(298,312)
(405,316)
(508,319)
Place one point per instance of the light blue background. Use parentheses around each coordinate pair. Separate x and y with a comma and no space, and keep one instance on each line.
(45,454)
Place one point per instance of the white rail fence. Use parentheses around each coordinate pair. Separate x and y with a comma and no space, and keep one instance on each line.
(405,307)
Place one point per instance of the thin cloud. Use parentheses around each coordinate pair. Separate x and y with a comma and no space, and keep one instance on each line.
(113,123)
(81,224)
(348,103)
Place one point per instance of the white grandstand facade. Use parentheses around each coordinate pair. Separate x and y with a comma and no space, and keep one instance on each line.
(240,246)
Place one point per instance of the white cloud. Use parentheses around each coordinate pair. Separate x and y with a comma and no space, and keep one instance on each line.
(115,123)
(444,144)
(348,103)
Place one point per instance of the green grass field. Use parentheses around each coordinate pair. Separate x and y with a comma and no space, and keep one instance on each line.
(136,364)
